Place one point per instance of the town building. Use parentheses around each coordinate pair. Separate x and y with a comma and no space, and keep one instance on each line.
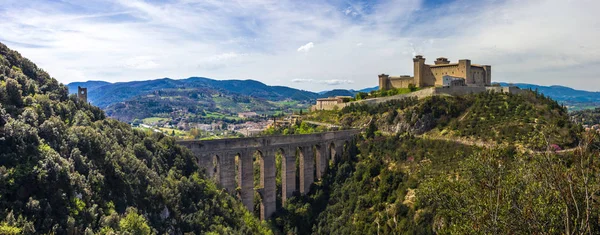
(331,102)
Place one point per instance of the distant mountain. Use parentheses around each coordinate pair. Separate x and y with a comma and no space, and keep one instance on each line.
(573,99)
(90,85)
(104,94)
(345,92)
(337,92)
(367,90)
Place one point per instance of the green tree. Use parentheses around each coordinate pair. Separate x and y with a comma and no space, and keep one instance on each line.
(134,223)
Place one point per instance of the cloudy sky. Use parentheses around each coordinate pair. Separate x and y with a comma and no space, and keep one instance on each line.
(312,45)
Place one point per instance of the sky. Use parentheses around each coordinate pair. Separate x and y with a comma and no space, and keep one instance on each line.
(311,45)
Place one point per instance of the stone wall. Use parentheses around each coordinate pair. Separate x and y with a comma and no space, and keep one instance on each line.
(401,82)
(328,106)
(431,91)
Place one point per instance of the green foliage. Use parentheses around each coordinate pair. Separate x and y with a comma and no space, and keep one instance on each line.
(488,117)
(9,230)
(294,129)
(503,192)
(416,185)
(134,223)
(67,169)
(587,117)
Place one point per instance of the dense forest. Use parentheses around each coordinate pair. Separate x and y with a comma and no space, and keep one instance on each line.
(67,169)
(407,182)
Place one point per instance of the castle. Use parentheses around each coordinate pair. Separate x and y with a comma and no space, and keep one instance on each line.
(441,78)
(441,74)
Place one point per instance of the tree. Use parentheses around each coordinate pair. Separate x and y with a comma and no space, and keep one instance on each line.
(134,223)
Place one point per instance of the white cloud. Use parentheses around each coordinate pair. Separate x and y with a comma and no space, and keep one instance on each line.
(141,62)
(124,40)
(299,80)
(306,47)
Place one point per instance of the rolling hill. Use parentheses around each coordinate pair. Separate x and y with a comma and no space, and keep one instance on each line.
(111,93)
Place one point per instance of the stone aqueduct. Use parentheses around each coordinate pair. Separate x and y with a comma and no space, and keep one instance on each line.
(218,157)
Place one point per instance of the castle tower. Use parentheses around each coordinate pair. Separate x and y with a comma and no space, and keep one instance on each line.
(488,74)
(419,70)
(384,82)
(441,60)
(464,66)
(82,93)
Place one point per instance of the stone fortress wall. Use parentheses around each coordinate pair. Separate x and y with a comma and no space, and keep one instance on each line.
(426,75)
(426,92)
(440,91)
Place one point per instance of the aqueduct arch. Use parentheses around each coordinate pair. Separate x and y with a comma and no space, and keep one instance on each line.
(223,153)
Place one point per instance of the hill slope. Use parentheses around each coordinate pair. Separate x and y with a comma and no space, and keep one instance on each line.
(66,169)
(112,93)
(192,104)
(419,168)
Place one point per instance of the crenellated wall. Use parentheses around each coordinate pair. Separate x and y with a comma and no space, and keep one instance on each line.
(217,157)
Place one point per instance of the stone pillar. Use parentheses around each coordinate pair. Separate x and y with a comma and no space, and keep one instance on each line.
(322,159)
(339,150)
(331,153)
(267,183)
(306,169)
(288,175)
(227,170)
(246,176)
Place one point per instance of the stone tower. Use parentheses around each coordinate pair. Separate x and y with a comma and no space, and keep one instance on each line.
(82,93)
(419,70)
(384,81)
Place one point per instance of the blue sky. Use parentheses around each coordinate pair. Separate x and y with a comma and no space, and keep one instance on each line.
(312,45)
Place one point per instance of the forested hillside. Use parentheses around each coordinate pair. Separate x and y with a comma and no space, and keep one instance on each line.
(421,168)
(194,104)
(67,169)
(112,93)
